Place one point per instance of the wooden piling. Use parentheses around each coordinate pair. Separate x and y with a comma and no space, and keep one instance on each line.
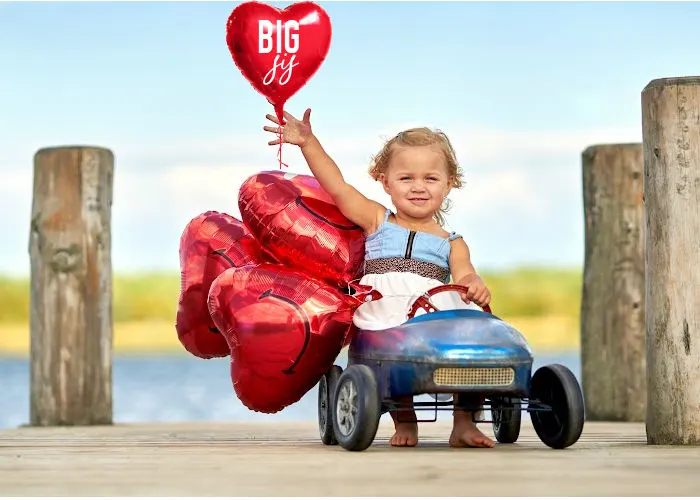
(71,287)
(671,135)
(613,354)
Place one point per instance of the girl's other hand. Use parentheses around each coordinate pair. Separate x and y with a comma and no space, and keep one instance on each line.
(293,131)
(477,290)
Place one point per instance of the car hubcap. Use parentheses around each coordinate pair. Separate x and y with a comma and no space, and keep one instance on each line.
(346,408)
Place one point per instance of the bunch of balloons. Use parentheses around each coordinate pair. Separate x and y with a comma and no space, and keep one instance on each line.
(274,290)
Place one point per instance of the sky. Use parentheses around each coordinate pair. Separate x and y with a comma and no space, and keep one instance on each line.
(521,89)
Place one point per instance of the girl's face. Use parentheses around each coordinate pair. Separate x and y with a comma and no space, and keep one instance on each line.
(417,180)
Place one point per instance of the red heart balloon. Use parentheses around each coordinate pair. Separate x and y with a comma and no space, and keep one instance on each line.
(297,221)
(284,329)
(211,243)
(278,50)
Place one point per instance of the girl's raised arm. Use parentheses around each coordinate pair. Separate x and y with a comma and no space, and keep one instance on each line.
(364,212)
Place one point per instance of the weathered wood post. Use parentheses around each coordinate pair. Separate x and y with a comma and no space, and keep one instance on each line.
(613,364)
(671,134)
(71,287)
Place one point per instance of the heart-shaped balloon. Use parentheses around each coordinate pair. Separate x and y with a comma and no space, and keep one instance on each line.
(298,222)
(284,330)
(278,51)
(211,243)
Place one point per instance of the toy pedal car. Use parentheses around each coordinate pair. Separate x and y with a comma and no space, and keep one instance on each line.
(465,352)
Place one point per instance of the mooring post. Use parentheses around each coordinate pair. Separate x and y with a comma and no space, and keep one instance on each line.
(671,135)
(71,287)
(613,364)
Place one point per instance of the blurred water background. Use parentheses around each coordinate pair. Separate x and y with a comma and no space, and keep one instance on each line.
(170,388)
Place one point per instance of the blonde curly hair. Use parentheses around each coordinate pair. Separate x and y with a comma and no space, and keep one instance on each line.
(421,136)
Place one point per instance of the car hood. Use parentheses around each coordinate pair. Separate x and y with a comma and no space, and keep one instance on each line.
(460,335)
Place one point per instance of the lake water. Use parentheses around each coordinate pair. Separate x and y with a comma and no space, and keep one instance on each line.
(182,388)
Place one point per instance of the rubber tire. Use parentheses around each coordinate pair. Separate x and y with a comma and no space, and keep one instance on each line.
(556,385)
(506,422)
(368,408)
(327,384)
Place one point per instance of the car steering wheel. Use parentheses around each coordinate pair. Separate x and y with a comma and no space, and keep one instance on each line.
(423,302)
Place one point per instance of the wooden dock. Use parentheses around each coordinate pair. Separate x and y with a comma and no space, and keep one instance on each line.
(288,459)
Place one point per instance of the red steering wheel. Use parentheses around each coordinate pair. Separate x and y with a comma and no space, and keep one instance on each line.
(423,302)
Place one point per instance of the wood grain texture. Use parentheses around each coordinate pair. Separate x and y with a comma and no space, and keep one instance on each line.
(671,134)
(285,458)
(71,287)
(613,352)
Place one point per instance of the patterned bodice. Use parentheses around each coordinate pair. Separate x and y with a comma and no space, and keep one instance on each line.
(393,248)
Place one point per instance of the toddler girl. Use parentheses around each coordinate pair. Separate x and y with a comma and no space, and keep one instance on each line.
(406,252)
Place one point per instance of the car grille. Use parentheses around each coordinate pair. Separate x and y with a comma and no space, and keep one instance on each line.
(473,376)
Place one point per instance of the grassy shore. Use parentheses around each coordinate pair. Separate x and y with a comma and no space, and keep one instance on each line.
(542,303)
(547,333)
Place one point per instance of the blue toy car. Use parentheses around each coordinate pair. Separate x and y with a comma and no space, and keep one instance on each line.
(464,352)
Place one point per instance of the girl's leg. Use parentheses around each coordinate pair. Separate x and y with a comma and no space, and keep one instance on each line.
(405,424)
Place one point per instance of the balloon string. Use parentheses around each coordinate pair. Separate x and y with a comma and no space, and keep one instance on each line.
(279,150)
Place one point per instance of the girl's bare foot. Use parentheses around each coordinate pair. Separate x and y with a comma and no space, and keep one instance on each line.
(406,434)
(405,424)
(465,433)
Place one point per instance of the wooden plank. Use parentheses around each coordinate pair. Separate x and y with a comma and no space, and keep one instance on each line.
(613,364)
(71,287)
(671,134)
(286,459)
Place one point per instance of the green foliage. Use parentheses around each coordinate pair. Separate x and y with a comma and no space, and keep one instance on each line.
(146,297)
(153,296)
(14,300)
(535,292)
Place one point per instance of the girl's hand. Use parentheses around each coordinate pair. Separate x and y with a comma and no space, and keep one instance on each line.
(294,131)
(477,290)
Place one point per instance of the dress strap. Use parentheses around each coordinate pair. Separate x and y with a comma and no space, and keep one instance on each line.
(387,214)
(454,236)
